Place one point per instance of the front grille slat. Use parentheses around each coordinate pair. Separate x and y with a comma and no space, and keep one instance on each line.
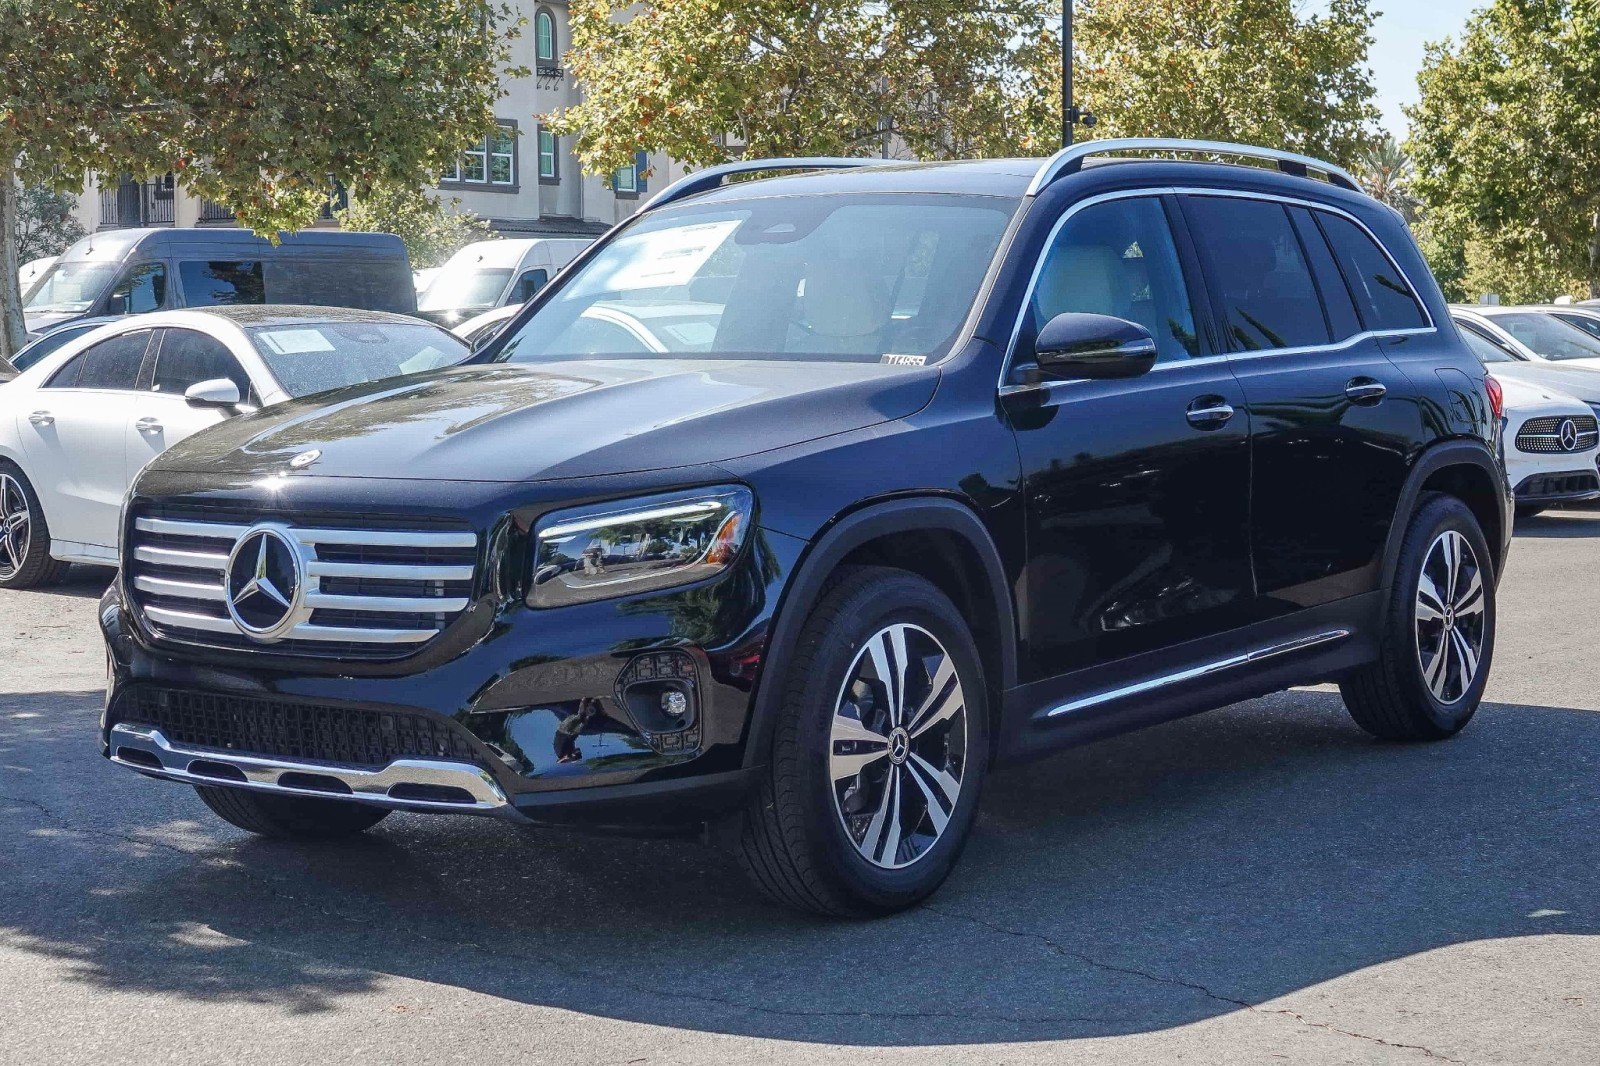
(1542,435)
(382,592)
(289,729)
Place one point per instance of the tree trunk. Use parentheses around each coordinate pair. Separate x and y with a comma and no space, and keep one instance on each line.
(1594,256)
(12,330)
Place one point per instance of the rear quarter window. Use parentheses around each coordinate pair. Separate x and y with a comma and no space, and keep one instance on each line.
(1383,296)
(373,284)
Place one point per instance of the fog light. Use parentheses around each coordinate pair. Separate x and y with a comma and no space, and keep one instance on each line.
(674,704)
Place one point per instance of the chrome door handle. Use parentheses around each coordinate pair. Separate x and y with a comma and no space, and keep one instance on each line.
(1366,391)
(1209,412)
(42,418)
(149,425)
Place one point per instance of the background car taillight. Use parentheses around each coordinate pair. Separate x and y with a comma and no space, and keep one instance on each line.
(1497,396)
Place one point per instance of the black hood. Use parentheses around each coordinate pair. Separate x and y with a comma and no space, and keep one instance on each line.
(563,420)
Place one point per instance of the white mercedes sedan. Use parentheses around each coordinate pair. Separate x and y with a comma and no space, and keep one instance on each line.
(79,425)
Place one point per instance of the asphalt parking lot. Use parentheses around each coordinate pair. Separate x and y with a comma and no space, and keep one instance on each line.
(1260,884)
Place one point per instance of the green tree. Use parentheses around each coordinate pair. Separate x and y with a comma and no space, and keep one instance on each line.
(1386,171)
(432,228)
(45,224)
(1506,139)
(1254,71)
(255,106)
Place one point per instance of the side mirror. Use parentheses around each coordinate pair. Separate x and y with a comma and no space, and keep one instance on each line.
(117,303)
(1094,346)
(218,392)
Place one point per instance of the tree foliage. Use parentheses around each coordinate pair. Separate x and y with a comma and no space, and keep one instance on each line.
(1506,139)
(703,80)
(255,106)
(45,224)
(1386,171)
(432,228)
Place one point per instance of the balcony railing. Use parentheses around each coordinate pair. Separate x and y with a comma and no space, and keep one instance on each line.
(137,203)
(216,214)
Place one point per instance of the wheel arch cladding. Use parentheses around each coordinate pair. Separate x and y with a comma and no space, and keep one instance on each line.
(936,538)
(1463,469)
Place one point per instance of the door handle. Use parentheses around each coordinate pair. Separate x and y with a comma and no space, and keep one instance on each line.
(1366,391)
(149,425)
(1209,412)
(42,418)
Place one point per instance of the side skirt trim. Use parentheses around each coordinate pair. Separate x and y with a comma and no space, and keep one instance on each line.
(1232,662)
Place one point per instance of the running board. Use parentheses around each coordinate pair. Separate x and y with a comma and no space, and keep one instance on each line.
(1232,662)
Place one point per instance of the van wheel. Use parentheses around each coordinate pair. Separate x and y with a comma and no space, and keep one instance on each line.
(290,817)
(878,756)
(25,561)
(1437,636)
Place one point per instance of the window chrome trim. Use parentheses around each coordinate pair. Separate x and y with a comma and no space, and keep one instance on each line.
(1255,655)
(1006,364)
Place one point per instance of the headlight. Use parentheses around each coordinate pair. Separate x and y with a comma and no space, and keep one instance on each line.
(633,546)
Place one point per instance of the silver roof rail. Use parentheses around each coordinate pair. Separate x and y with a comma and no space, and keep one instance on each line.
(1070,160)
(708,179)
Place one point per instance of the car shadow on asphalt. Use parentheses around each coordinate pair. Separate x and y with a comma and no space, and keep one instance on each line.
(1581,521)
(1142,883)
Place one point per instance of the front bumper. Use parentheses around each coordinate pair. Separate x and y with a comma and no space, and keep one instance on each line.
(1564,486)
(533,709)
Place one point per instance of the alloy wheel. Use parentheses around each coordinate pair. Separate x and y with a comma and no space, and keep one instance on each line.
(897,748)
(16,526)
(1450,617)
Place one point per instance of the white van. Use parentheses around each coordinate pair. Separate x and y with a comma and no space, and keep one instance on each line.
(490,274)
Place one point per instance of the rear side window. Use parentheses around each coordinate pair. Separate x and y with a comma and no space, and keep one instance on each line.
(1341,309)
(142,289)
(188,357)
(1486,349)
(372,284)
(1258,273)
(111,364)
(1382,294)
(217,283)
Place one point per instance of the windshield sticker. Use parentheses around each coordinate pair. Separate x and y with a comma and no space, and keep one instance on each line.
(669,257)
(904,360)
(294,341)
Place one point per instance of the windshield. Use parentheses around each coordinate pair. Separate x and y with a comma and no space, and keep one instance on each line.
(1589,325)
(1548,336)
(70,287)
(308,357)
(464,291)
(847,278)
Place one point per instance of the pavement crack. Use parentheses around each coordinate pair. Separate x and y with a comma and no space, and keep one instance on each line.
(1177,982)
(110,834)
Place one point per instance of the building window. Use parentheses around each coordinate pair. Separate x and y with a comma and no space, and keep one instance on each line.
(545,36)
(625,182)
(547,156)
(491,161)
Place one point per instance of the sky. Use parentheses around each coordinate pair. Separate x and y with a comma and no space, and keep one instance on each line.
(1400,35)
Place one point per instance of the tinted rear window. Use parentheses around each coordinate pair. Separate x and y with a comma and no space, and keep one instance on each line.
(217,283)
(1382,294)
(346,281)
(1258,272)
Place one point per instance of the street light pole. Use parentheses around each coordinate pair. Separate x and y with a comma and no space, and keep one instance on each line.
(1068,119)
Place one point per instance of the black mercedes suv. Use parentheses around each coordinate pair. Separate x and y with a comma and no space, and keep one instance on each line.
(800,502)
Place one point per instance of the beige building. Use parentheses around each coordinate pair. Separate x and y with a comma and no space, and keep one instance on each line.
(522,179)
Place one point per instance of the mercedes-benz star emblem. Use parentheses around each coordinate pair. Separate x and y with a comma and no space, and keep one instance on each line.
(305,459)
(264,583)
(1568,434)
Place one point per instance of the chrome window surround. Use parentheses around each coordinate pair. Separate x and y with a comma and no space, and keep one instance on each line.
(1238,194)
(208,588)
(201,766)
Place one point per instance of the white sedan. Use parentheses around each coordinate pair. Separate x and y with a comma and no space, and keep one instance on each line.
(78,426)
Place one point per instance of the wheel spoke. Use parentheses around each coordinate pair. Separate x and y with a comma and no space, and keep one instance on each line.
(949,785)
(1436,671)
(1430,605)
(936,808)
(11,555)
(883,833)
(943,702)
(1466,658)
(888,652)
(1471,601)
(1452,563)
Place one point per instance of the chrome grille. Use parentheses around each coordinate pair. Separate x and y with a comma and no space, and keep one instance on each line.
(1543,434)
(362,593)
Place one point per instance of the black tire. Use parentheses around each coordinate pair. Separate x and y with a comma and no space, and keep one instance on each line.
(794,841)
(1529,510)
(290,817)
(31,567)
(1393,698)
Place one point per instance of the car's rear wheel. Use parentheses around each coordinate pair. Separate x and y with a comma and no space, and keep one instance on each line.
(25,560)
(1437,638)
(880,753)
(290,817)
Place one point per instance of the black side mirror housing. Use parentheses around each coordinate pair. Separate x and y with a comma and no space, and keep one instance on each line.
(117,303)
(1074,345)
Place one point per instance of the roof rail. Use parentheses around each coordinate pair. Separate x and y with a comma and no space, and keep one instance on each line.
(710,178)
(1070,160)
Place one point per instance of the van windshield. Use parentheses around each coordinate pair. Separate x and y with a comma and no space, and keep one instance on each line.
(473,290)
(838,277)
(70,287)
(308,357)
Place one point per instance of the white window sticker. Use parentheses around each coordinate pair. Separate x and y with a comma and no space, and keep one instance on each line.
(904,360)
(294,341)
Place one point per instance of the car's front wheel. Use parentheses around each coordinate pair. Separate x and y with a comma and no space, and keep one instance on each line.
(1437,635)
(880,753)
(25,560)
